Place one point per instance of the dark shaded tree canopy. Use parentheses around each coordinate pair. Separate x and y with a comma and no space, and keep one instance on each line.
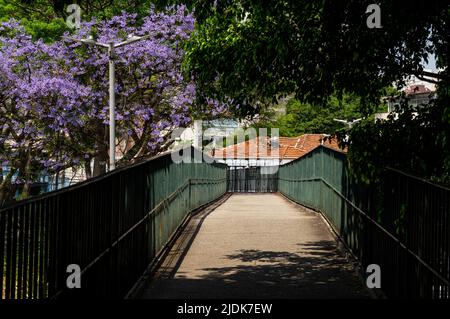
(254,51)
(298,118)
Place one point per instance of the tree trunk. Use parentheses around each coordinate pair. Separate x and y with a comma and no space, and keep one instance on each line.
(101,159)
(99,165)
(57,180)
(7,190)
(24,173)
(87,169)
(26,190)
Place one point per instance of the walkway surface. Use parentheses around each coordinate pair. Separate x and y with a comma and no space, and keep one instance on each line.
(256,246)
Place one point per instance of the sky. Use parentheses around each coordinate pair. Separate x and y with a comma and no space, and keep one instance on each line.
(431,62)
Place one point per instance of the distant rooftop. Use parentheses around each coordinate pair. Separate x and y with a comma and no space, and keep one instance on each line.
(416,89)
(281,148)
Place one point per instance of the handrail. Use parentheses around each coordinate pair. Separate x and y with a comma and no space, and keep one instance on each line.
(419,179)
(113,217)
(393,237)
(102,177)
(155,210)
(407,238)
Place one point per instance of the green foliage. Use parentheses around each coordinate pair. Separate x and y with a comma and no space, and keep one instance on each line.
(415,142)
(237,137)
(45,19)
(302,118)
(38,17)
(257,51)
(46,31)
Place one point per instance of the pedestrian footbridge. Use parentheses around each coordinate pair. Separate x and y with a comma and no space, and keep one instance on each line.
(256,246)
(165,228)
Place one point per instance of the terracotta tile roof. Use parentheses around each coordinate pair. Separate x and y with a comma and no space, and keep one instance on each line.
(263,148)
(254,148)
(416,89)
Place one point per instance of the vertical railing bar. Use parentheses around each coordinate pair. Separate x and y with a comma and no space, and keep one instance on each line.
(41,248)
(53,264)
(26,260)
(14,253)
(45,256)
(37,251)
(30,278)
(3,223)
(21,253)
(9,248)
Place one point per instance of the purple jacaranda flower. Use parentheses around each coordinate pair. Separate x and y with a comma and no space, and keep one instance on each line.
(58,92)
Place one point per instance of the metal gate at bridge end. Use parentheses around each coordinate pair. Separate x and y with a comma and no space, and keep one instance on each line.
(261,179)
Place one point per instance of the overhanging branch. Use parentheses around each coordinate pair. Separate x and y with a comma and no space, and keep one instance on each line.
(426,80)
(425,76)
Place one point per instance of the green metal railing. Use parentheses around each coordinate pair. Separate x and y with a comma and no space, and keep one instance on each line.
(112,226)
(402,224)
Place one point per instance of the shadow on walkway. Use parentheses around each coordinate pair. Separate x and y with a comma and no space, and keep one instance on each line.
(235,257)
(316,271)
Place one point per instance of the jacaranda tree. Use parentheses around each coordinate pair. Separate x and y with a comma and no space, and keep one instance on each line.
(40,102)
(54,97)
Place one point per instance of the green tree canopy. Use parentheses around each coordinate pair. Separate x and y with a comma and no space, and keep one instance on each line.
(255,51)
(302,118)
(46,19)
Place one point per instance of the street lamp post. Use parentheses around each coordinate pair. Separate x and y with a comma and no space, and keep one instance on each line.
(349,123)
(111,46)
(112,108)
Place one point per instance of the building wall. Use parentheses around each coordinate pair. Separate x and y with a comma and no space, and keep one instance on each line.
(253,162)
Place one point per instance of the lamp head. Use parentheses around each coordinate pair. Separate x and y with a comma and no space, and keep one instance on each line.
(132,37)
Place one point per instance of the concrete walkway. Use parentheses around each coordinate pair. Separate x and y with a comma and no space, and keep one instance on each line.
(256,246)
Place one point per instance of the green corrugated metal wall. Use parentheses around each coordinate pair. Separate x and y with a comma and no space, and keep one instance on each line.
(194,184)
(112,226)
(320,181)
